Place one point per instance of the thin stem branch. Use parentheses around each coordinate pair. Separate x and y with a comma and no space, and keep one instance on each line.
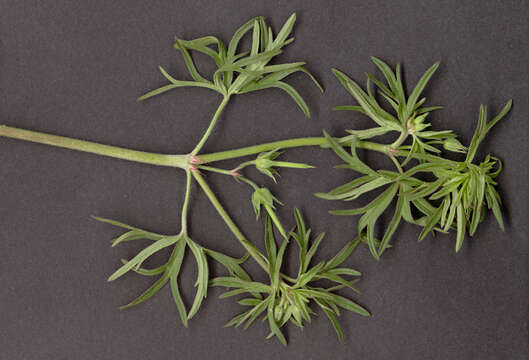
(310,141)
(396,162)
(179,161)
(284,144)
(215,170)
(252,250)
(186,202)
(205,137)
(403,135)
(250,150)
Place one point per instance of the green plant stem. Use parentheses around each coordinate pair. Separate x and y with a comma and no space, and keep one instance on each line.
(178,161)
(216,170)
(182,160)
(252,250)
(186,202)
(216,116)
(283,144)
(312,141)
(250,150)
(292,165)
(400,139)
(396,162)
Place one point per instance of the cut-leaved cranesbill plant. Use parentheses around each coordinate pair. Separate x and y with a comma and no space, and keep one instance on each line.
(285,298)
(455,199)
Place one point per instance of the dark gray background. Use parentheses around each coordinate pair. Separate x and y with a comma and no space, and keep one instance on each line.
(75,68)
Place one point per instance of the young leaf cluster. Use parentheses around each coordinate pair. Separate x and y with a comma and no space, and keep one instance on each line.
(241,72)
(266,164)
(461,191)
(285,299)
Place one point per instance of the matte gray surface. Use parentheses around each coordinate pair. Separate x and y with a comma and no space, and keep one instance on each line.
(75,68)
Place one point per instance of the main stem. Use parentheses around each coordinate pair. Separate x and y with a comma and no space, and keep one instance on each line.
(252,250)
(179,161)
(182,161)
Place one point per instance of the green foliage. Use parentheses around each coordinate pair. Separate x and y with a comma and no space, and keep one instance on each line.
(461,191)
(241,72)
(169,271)
(452,196)
(285,299)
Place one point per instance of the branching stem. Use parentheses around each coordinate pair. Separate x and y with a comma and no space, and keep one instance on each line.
(182,160)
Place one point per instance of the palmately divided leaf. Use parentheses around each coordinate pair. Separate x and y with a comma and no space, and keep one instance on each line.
(397,216)
(136,261)
(150,292)
(202,279)
(350,159)
(432,222)
(174,271)
(460,227)
(287,299)
(273,325)
(147,272)
(242,72)
(230,263)
(332,318)
(414,96)
(369,219)
(342,255)
(189,63)
(168,269)
(368,104)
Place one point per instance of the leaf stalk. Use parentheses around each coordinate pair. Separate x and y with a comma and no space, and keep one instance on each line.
(252,250)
